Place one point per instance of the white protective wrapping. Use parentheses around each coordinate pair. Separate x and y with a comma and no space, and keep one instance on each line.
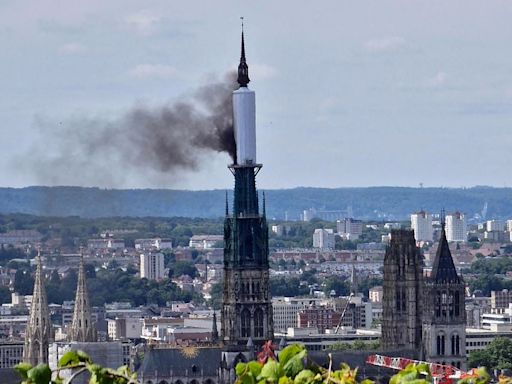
(244,119)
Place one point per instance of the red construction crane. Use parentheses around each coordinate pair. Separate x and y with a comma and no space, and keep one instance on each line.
(442,374)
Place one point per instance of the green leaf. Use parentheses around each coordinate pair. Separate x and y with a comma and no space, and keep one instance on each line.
(288,352)
(40,374)
(254,368)
(271,371)
(22,369)
(69,358)
(304,377)
(240,369)
(83,357)
(294,365)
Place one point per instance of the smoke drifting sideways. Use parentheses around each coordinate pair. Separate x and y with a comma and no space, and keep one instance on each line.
(159,142)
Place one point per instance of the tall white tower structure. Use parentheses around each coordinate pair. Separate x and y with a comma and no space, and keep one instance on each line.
(421,223)
(456,227)
(152,266)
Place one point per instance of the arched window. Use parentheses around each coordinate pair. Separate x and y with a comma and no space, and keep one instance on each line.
(258,323)
(195,369)
(457,304)
(450,304)
(245,323)
(438,303)
(440,344)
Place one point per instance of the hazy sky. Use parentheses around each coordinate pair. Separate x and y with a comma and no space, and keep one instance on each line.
(349,93)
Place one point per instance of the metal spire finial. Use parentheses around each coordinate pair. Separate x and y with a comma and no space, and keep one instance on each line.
(243,69)
(443,218)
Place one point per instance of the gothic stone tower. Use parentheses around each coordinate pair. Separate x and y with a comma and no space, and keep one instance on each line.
(444,321)
(81,327)
(247,307)
(38,332)
(402,292)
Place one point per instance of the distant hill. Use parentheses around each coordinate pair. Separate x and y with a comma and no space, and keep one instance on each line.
(379,203)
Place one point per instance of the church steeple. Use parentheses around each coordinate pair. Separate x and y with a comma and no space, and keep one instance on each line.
(243,69)
(38,332)
(443,268)
(81,327)
(247,306)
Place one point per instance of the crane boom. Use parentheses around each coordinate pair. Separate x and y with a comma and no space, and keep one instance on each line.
(442,374)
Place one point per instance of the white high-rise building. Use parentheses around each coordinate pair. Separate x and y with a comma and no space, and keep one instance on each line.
(495,225)
(323,238)
(152,266)
(421,223)
(509,225)
(456,227)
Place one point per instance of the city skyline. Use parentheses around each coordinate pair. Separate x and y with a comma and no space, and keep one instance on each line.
(351,90)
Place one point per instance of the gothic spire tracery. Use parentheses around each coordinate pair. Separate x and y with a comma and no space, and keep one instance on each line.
(81,328)
(38,332)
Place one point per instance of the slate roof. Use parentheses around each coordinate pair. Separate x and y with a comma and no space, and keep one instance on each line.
(181,361)
(443,269)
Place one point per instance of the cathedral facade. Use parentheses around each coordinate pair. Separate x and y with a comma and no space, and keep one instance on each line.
(423,313)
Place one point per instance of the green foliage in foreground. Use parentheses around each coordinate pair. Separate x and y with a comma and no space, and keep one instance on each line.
(292,367)
(77,363)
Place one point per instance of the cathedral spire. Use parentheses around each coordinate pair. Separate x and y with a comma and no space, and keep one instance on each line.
(443,268)
(243,69)
(81,326)
(38,332)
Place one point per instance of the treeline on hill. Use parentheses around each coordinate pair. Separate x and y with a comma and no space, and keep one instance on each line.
(374,203)
(74,231)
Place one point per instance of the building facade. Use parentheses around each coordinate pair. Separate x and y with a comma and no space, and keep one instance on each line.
(421,224)
(323,238)
(152,266)
(402,292)
(349,228)
(444,316)
(456,229)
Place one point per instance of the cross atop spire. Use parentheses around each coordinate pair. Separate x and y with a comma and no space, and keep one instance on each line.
(243,69)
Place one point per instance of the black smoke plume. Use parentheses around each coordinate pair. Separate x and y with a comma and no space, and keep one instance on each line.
(166,139)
